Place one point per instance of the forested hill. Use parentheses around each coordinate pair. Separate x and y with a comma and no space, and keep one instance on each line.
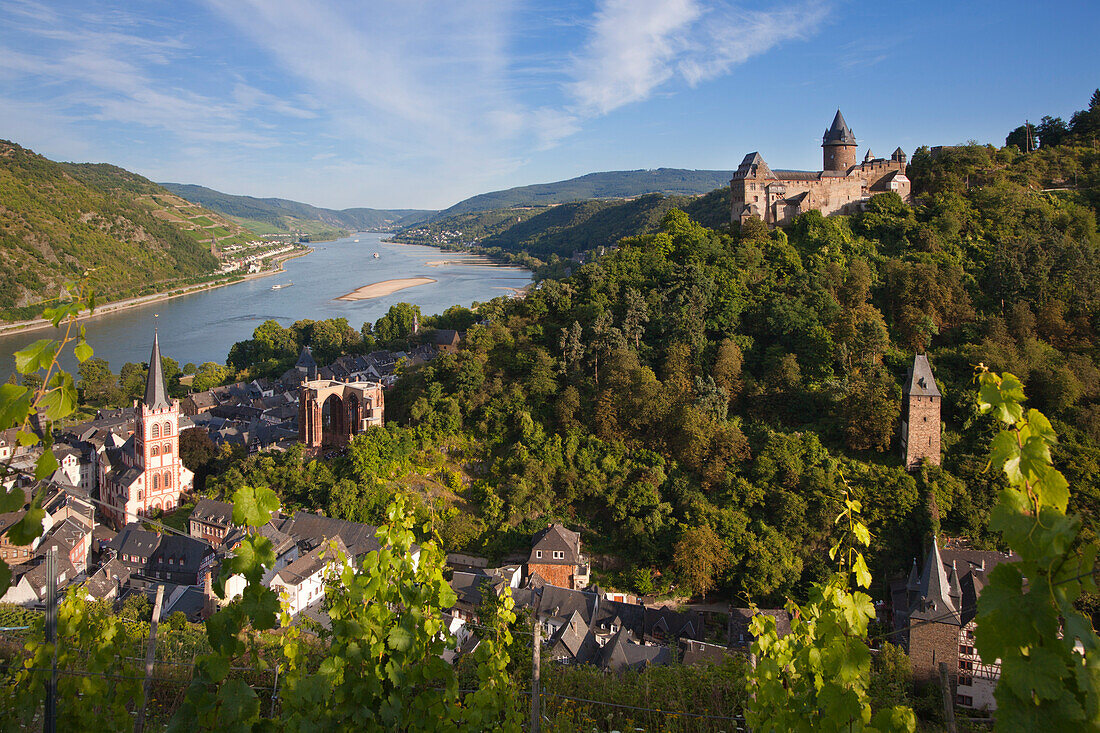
(704,399)
(605,185)
(59,219)
(558,231)
(273,215)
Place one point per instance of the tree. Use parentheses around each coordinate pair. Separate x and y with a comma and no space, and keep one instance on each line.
(1052,131)
(97,383)
(727,367)
(871,409)
(637,315)
(210,375)
(572,347)
(131,381)
(699,557)
(397,325)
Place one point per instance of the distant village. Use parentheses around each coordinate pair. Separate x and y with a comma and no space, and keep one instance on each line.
(124,466)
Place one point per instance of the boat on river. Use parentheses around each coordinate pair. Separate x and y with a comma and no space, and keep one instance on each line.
(281,286)
(376,255)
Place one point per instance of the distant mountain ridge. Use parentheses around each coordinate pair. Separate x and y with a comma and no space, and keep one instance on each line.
(284,215)
(604,185)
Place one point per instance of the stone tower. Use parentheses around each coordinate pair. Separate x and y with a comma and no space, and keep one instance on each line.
(920,427)
(838,146)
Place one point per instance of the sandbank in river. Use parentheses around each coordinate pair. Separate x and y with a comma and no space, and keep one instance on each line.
(386,287)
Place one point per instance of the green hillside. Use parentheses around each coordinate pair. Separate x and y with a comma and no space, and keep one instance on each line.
(566,228)
(274,216)
(604,185)
(59,219)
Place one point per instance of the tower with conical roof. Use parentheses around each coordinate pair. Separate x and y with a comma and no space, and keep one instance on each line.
(838,145)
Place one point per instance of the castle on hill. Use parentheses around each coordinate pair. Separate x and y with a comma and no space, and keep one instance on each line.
(778,196)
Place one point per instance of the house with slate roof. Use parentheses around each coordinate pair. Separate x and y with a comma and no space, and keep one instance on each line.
(557,558)
(302,582)
(211,520)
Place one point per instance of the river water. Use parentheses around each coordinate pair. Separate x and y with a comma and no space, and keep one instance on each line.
(203,326)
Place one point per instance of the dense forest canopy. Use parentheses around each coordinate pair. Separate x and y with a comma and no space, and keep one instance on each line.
(704,390)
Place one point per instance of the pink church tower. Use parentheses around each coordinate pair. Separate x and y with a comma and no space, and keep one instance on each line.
(147,473)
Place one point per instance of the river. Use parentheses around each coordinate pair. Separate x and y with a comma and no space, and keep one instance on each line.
(203,326)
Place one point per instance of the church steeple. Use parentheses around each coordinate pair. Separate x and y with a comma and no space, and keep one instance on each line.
(156,396)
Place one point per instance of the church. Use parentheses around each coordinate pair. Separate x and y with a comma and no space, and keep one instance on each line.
(778,196)
(145,473)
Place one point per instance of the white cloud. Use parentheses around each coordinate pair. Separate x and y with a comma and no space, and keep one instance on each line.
(637,46)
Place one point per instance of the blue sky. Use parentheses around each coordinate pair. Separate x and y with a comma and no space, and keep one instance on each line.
(420,104)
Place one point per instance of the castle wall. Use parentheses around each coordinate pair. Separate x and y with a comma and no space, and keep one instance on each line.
(829,194)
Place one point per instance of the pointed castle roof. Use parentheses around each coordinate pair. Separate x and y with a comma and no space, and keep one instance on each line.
(920,381)
(839,133)
(156,396)
(940,596)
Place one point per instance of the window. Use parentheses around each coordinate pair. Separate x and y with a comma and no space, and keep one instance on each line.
(139,494)
(167,428)
(156,481)
(964,700)
(538,554)
(154,451)
(965,680)
(155,433)
(167,483)
(167,448)
(559,555)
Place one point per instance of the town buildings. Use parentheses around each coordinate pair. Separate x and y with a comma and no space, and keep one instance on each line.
(778,196)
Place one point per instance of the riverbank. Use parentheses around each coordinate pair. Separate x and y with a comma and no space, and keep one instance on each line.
(385,287)
(121,305)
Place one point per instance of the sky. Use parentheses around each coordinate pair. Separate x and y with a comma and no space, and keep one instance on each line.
(419,104)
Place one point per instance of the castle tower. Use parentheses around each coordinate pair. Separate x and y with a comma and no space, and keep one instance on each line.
(839,146)
(156,445)
(935,620)
(920,427)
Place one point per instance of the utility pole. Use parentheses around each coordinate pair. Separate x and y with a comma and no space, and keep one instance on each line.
(50,723)
(150,656)
(948,703)
(536,669)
